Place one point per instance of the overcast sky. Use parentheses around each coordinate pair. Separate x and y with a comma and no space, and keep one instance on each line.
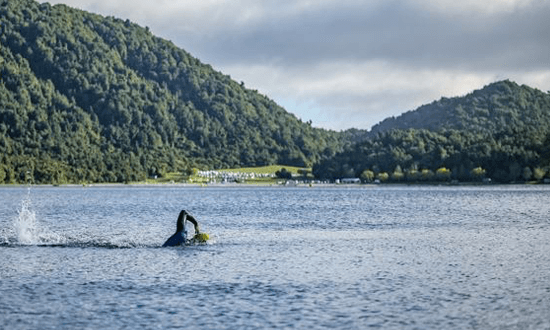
(344,63)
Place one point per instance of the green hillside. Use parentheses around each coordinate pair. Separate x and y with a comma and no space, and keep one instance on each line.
(500,132)
(98,99)
(495,107)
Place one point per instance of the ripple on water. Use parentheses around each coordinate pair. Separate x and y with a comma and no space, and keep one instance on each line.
(393,258)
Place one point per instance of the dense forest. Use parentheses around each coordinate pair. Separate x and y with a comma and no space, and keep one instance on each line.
(86,98)
(501,132)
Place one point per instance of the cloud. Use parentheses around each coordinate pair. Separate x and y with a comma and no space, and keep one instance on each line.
(356,94)
(398,31)
(474,6)
(347,63)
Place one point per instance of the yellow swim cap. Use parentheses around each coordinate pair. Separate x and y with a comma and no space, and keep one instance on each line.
(201,237)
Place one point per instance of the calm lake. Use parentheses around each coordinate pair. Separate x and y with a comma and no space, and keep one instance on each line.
(388,257)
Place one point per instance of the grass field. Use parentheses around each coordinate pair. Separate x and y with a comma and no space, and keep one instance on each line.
(264,169)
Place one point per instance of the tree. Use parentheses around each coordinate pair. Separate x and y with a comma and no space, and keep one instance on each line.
(527,173)
(443,174)
(304,172)
(383,176)
(283,174)
(539,173)
(478,173)
(426,174)
(545,151)
(367,176)
(397,174)
(515,171)
(2,174)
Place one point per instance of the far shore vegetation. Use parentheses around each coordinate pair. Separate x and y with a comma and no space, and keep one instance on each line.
(280,175)
(87,99)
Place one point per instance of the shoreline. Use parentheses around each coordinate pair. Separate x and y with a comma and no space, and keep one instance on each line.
(269,185)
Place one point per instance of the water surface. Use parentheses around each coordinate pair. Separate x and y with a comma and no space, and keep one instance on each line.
(347,258)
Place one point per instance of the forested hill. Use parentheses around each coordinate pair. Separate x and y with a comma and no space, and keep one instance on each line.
(501,132)
(493,108)
(91,98)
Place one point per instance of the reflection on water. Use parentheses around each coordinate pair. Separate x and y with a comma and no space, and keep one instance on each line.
(388,257)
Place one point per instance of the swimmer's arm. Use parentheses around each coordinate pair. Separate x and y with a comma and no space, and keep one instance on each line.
(191,219)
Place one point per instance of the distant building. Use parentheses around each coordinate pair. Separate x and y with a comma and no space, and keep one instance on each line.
(290,183)
(351,180)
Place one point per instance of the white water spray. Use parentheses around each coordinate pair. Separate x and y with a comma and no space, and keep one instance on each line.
(27,228)
(25,223)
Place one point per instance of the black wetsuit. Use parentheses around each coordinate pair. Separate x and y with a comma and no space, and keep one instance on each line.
(180,237)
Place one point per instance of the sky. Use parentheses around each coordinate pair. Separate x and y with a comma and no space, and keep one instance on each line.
(352,63)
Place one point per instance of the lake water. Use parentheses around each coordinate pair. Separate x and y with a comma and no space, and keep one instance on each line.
(388,257)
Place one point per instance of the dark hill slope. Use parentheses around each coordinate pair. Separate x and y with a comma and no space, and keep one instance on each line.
(84,97)
(496,107)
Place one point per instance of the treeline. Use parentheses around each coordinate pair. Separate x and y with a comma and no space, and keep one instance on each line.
(86,98)
(501,132)
(95,99)
(422,155)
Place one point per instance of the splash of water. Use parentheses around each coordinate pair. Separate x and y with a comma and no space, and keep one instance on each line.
(27,229)
(25,224)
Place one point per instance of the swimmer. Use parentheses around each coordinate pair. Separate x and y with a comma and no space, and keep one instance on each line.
(180,237)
